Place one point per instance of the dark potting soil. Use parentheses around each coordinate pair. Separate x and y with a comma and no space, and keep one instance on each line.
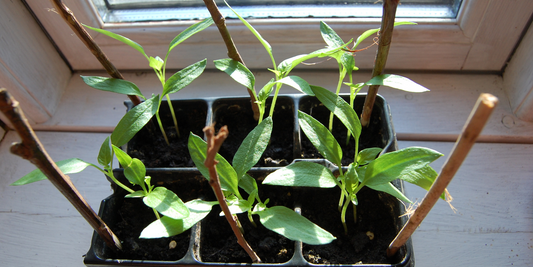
(367,239)
(219,244)
(133,216)
(371,136)
(238,114)
(149,144)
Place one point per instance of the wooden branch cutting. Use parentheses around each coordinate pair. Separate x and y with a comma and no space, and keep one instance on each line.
(475,123)
(385,38)
(213,145)
(31,149)
(84,36)
(233,53)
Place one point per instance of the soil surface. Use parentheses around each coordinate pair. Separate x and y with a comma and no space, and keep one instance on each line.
(367,239)
(371,136)
(149,145)
(219,244)
(133,216)
(238,116)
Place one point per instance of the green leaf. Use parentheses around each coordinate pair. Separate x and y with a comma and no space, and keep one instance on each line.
(365,156)
(393,165)
(265,44)
(118,86)
(293,226)
(330,36)
(156,63)
(398,82)
(120,38)
(288,64)
(237,71)
(134,121)
(238,206)
(370,32)
(166,203)
(166,226)
(184,35)
(302,173)
(423,177)
(227,175)
(134,169)
(184,77)
(105,155)
(136,194)
(298,84)
(252,147)
(391,190)
(248,183)
(340,108)
(265,92)
(321,138)
(68,166)
(351,177)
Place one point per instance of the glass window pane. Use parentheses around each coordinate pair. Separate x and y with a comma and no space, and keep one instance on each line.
(164,10)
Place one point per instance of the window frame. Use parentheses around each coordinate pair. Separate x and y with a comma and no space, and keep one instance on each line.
(475,41)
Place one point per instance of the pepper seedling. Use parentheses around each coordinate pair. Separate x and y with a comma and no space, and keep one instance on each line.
(408,164)
(171,85)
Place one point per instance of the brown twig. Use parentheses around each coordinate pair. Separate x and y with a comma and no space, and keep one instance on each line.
(475,123)
(31,149)
(233,53)
(213,145)
(84,36)
(385,38)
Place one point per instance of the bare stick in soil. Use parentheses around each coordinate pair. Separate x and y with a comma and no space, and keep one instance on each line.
(31,149)
(233,53)
(385,38)
(213,145)
(475,123)
(84,36)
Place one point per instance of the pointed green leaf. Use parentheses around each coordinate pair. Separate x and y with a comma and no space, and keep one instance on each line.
(265,92)
(391,190)
(68,166)
(298,84)
(134,169)
(156,63)
(293,226)
(302,173)
(105,156)
(248,183)
(227,175)
(340,108)
(321,138)
(237,71)
(184,77)
(136,194)
(166,203)
(238,206)
(288,64)
(393,165)
(134,121)
(252,147)
(370,32)
(423,177)
(330,36)
(120,38)
(365,156)
(351,177)
(118,86)
(397,82)
(166,226)
(184,35)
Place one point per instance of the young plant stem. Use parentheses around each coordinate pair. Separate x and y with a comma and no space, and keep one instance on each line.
(161,127)
(84,36)
(475,123)
(385,38)
(278,87)
(31,149)
(213,145)
(342,74)
(173,115)
(233,53)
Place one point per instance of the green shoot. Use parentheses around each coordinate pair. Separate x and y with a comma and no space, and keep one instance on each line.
(172,85)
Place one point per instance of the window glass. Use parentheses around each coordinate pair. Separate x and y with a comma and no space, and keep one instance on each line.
(112,11)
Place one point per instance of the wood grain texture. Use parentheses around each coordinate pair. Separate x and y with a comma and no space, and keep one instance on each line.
(30,67)
(493,225)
